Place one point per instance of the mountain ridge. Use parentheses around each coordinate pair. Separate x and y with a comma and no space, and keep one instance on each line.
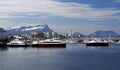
(29,29)
(45,28)
(105,33)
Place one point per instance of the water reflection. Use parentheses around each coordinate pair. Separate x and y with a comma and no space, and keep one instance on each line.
(24,48)
(3,48)
(73,57)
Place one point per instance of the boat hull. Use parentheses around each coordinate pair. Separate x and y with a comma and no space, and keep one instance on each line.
(97,44)
(3,45)
(49,45)
(16,45)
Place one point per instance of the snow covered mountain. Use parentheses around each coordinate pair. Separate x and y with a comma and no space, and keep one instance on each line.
(2,30)
(105,33)
(29,29)
(77,34)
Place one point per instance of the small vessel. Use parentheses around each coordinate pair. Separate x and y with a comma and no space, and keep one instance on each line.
(16,43)
(49,43)
(118,42)
(71,41)
(97,42)
(3,42)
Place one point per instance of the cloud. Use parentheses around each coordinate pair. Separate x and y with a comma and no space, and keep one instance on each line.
(7,24)
(54,8)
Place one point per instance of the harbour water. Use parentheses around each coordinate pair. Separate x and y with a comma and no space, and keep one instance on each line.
(73,57)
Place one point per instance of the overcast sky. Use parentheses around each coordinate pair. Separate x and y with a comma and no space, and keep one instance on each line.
(85,16)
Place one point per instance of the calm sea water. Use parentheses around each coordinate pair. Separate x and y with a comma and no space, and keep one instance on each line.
(73,57)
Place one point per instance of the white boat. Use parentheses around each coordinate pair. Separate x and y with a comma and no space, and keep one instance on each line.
(97,42)
(16,43)
(49,43)
(118,42)
(71,41)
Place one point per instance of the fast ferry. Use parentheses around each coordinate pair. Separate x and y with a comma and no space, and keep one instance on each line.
(49,43)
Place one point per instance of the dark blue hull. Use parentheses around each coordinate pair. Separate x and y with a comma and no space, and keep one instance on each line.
(17,45)
(97,44)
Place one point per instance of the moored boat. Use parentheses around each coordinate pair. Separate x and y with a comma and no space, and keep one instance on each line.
(3,42)
(97,43)
(16,43)
(49,43)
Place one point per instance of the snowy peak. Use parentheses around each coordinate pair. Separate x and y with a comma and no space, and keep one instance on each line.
(29,29)
(2,30)
(36,27)
(105,33)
